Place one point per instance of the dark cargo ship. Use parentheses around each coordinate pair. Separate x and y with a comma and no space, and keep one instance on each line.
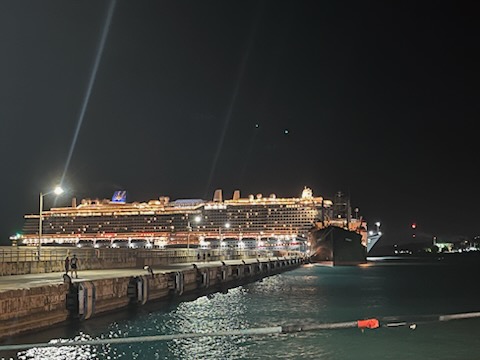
(334,245)
(342,239)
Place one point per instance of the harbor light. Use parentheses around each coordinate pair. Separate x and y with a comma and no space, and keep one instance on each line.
(57,191)
(197,219)
(227,226)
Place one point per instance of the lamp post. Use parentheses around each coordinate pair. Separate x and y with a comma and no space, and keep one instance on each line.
(227,226)
(57,191)
(197,219)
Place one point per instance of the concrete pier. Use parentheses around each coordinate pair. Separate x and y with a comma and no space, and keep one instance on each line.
(35,301)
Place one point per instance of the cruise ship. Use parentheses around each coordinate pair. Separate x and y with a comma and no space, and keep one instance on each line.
(373,237)
(253,222)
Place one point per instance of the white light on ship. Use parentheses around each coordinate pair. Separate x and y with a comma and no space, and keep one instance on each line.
(307,193)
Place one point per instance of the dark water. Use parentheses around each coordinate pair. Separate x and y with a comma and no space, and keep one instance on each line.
(308,295)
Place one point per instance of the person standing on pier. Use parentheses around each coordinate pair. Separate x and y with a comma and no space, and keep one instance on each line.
(67,264)
(74,265)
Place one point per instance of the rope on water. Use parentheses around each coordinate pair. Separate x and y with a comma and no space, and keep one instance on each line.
(373,323)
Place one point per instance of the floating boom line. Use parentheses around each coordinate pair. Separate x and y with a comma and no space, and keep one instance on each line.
(373,323)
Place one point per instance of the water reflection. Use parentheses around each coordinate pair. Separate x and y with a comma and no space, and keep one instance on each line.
(215,312)
(63,352)
(208,314)
(303,296)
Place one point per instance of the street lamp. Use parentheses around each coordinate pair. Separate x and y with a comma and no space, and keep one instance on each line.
(57,191)
(227,226)
(197,219)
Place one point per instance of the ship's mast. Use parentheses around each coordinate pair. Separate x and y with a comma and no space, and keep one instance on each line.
(342,209)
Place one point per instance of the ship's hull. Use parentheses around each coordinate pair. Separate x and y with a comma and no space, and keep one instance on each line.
(336,246)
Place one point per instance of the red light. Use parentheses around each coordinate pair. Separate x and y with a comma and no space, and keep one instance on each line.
(414,226)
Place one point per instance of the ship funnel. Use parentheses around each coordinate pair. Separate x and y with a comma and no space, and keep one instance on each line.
(236,195)
(74,202)
(217,196)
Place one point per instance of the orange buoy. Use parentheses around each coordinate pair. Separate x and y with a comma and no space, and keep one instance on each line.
(368,324)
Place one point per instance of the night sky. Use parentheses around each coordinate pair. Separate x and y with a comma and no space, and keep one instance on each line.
(374,99)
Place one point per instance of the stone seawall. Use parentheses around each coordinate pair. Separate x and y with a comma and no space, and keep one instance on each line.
(50,266)
(40,307)
(20,261)
(31,309)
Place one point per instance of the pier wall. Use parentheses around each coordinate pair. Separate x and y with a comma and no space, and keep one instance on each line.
(25,260)
(120,261)
(30,309)
(40,267)
(40,307)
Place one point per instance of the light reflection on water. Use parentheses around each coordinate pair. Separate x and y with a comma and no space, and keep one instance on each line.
(303,296)
(215,312)
(83,352)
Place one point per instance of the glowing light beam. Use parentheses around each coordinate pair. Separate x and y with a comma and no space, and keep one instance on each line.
(91,82)
(233,99)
